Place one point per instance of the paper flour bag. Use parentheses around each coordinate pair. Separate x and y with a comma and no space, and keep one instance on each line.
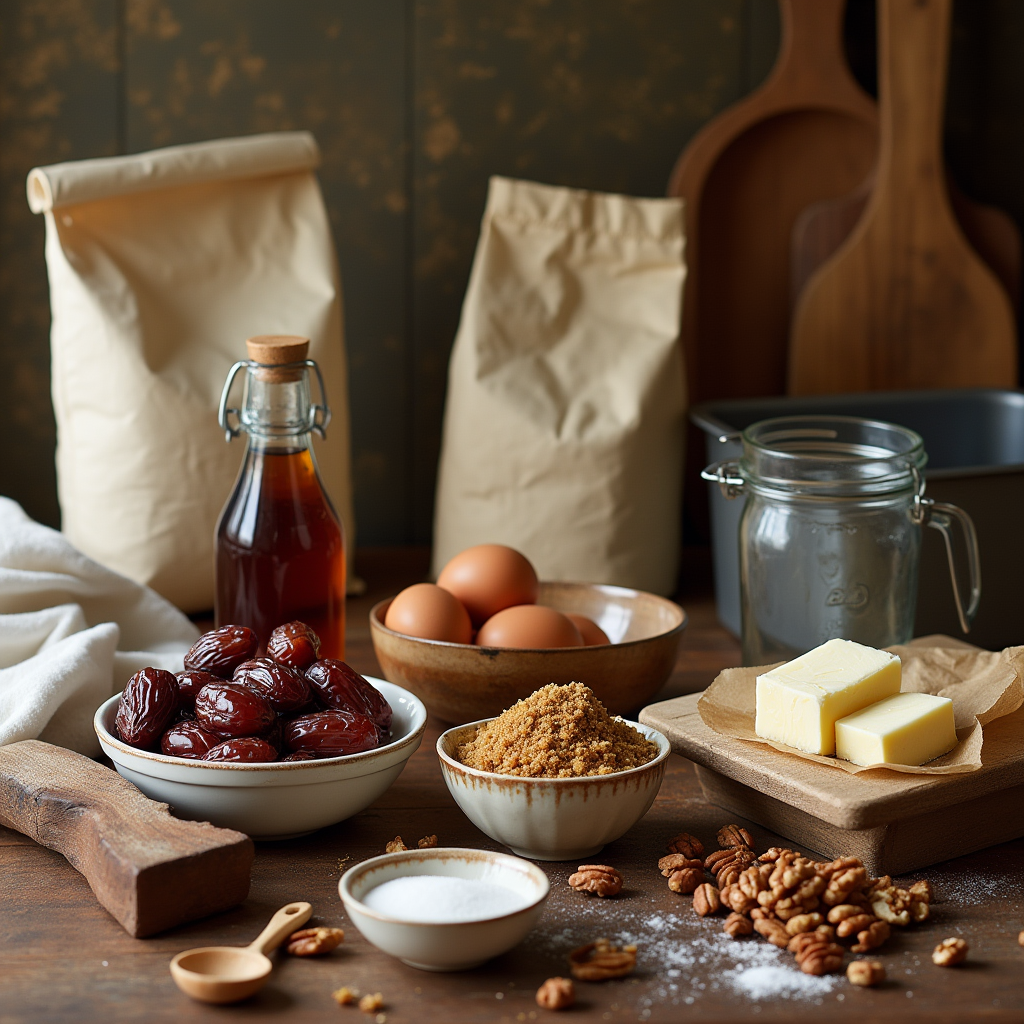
(161,265)
(563,431)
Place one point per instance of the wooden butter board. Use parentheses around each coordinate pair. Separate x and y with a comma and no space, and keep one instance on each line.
(895,823)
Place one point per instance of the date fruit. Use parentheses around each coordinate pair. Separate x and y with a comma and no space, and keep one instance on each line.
(232,710)
(341,688)
(300,755)
(222,650)
(249,749)
(284,689)
(331,733)
(188,739)
(190,682)
(148,705)
(294,644)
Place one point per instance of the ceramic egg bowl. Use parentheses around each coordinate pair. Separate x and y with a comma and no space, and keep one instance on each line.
(452,946)
(463,682)
(278,800)
(552,819)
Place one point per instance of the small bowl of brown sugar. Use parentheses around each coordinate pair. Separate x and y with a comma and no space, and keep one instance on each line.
(555,777)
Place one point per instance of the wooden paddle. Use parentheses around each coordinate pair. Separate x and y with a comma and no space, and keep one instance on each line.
(823,227)
(808,133)
(905,302)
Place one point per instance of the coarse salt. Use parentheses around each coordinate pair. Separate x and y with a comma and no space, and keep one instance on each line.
(440,899)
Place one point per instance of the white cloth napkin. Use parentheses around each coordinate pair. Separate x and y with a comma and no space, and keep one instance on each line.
(71,634)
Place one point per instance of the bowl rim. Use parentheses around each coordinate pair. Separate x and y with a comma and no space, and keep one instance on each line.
(377,623)
(435,853)
(665,748)
(414,735)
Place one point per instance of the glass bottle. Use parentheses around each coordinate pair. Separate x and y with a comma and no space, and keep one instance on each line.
(280,548)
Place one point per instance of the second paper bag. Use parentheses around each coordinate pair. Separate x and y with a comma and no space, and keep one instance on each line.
(563,429)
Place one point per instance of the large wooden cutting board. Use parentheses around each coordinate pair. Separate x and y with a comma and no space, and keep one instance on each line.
(905,302)
(895,823)
(807,134)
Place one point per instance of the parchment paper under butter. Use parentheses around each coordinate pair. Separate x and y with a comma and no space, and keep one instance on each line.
(983,685)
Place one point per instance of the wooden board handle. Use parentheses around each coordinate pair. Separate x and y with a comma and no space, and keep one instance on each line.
(149,869)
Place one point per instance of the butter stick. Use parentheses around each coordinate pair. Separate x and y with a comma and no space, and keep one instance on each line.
(908,728)
(800,702)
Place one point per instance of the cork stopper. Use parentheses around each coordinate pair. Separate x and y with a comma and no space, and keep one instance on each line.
(270,350)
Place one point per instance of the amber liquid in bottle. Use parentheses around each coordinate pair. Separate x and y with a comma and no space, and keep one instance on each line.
(280,544)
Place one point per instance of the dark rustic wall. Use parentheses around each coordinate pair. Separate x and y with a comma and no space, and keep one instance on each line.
(415,103)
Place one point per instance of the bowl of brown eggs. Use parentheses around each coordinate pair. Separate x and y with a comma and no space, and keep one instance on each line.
(489,633)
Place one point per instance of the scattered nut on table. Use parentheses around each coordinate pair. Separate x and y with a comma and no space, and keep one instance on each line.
(705,899)
(866,973)
(427,842)
(950,952)
(395,846)
(1020,939)
(600,879)
(371,1003)
(556,994)
(737,925)
(689,846)
(735,836)
(344,996)
(314,941)
(600,960)
(815,954)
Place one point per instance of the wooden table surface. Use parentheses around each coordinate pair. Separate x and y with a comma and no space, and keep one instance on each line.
(62,958)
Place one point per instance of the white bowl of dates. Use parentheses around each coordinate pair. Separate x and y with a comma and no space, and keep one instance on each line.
(548,818)
(448,909)
(274,746)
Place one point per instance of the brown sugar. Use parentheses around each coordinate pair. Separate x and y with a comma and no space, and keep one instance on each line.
(558,732)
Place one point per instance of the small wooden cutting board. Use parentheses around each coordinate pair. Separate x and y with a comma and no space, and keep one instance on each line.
(150,870)
(895,823)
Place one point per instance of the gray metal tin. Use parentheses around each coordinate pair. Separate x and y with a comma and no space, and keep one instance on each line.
(975,444)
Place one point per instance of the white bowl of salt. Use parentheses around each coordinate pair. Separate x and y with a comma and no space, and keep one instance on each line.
(444,909)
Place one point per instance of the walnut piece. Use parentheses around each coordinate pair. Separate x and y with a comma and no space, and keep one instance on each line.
(851,925)
(734,835)
(737,925)
(866,973)
(314,941)
(774,931)
(427,842)
(395,846)
(871,937)
(344,995)
(706,900)
(950,952)
(689,846)
(816,954)
(371,1003)
(733,897)
(600,960)
(556,994)
(599,879)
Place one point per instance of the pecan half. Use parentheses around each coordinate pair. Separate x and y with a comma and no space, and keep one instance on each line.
(687,845)
(678,862)
(851,925)
(706,900)
(314,941)
(737,925)
(803,923)
(734,835)
(815,954)
(733,897)
(950,952)
(866,973)
(686,880)
(599,879)
(556,994)
(774,931)
(600,960)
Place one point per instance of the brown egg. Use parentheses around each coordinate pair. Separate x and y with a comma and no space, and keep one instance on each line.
(489,577)
(528,625)
(593,635)
(430,613)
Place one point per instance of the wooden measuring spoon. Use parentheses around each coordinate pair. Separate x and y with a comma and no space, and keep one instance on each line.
(226,974)
(905,302)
